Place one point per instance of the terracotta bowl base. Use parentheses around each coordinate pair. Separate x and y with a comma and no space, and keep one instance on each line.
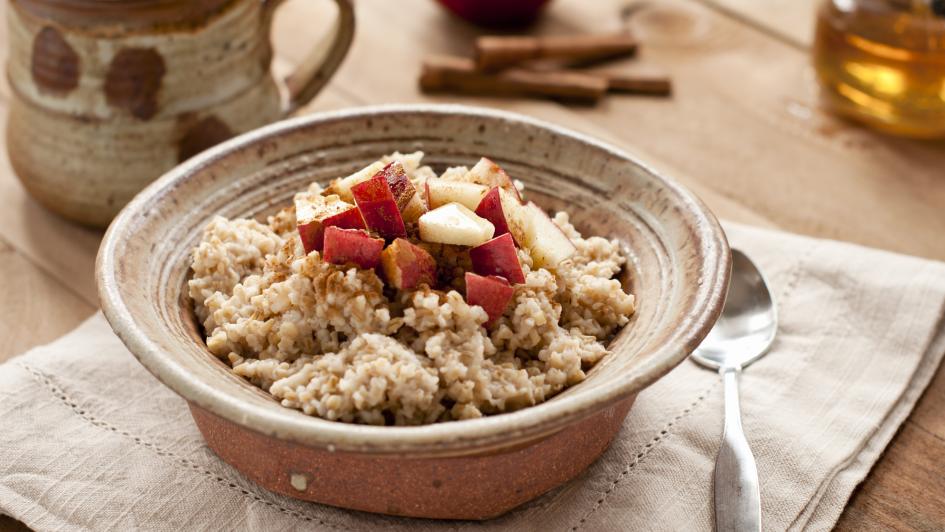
(477,486)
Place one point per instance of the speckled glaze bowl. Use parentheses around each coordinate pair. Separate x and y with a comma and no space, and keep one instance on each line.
(474,469)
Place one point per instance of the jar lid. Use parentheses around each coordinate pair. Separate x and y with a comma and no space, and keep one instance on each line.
(122,15)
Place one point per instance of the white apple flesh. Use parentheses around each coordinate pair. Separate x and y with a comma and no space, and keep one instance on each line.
(440,192)
(487,172)
(415,209)
(535,231)
(455,224)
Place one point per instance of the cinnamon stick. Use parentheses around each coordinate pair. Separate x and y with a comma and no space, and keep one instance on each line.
(651,85)
(459,74)
(495,53)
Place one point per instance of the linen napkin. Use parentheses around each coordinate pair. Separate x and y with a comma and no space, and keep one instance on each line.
(90,440)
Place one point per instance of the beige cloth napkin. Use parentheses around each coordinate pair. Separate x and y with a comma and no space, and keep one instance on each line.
(90,440)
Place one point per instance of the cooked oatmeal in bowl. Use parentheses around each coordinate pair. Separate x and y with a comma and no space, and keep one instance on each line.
(396,296)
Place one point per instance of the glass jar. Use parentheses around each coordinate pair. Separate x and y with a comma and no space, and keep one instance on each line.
(882,62)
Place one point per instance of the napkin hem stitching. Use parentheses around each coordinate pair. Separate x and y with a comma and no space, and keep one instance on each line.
(642,454)
(60,394)
(792,282)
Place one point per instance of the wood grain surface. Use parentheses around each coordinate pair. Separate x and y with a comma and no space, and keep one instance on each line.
(744,130)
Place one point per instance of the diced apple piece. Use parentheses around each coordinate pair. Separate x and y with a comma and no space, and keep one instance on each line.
(406,265)
(490,208)
(378,208)
(440,192)
(414,209)
(550,245)
(314,212)
(455,224)
(498,257)
(342,186)
(354,246)
(491,293)
(534,230)
(488,173)
(400,186)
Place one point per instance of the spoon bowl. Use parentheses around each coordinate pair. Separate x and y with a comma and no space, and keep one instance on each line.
(748,324)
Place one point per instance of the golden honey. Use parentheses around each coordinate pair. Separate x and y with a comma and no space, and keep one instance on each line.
(882,62)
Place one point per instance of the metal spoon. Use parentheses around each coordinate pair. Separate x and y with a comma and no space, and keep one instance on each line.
(742,335)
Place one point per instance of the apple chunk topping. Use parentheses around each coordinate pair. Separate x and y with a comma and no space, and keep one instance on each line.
(534,230)
(454,224)
(490,208)
(314,212)
(378,207)
(400,186)
(354,246)
(407,265)
(414,210)
(488,173)
(491,293)
(342,186)
(498,257)
(440,192)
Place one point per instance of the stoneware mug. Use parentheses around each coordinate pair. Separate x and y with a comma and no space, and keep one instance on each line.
(109,94)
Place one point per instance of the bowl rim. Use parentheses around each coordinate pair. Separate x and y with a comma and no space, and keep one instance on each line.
(462,436)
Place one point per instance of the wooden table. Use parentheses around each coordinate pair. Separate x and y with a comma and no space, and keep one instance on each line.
(743,130)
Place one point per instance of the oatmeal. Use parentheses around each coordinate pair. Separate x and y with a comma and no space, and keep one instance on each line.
(396,296)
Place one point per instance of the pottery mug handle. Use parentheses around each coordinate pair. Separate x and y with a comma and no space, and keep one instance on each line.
(321,62)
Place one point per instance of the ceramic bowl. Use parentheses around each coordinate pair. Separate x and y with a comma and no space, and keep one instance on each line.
(678,268)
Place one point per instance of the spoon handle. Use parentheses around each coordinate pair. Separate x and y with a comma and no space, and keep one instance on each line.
(737,495)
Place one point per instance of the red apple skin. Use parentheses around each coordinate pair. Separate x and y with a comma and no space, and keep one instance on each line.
(406,265)
(313,233)
(378,207)
(400,186)
(490,208)
(498,257)
(496,13)
(354,246)
(491,293)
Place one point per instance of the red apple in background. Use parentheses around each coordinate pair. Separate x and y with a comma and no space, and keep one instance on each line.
(498,257)
(496,13)
(378,207)
(406,265)
(354,246)
(313,213)
(491,293)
